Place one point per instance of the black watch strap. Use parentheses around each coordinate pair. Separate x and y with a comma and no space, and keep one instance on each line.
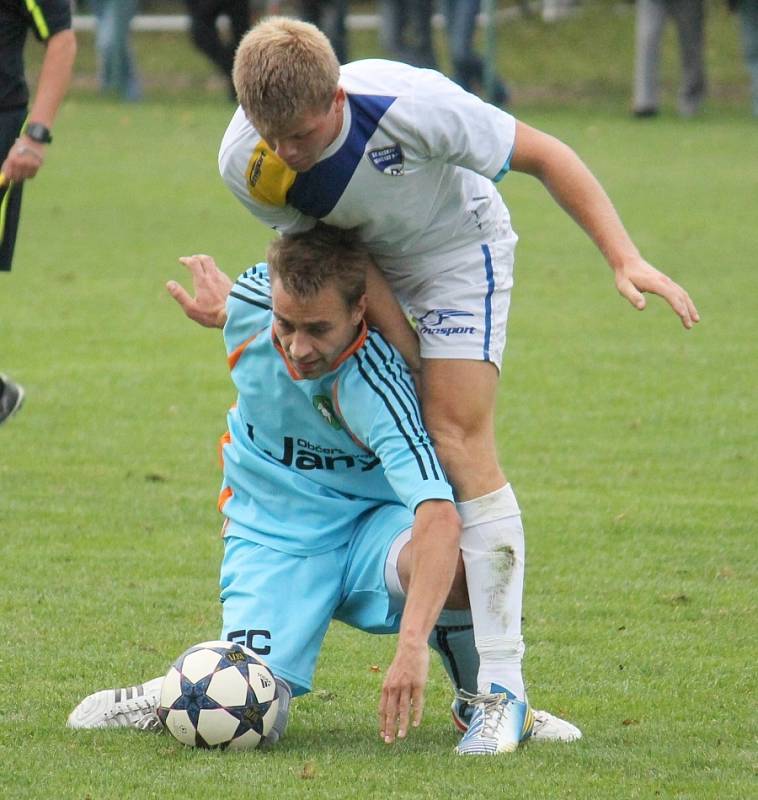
(38,132)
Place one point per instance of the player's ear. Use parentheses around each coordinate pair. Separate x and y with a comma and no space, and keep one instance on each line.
(359,310)
(339,99)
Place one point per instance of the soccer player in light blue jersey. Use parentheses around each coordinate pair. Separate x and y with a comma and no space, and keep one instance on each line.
(410,160)
(336,505)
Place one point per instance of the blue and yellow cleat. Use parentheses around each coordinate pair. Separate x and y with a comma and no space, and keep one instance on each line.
(498,724)
(547,727)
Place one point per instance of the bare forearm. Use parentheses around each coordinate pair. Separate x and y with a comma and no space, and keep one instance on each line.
(579,193)
(27,155)
(54,78)
(436,544)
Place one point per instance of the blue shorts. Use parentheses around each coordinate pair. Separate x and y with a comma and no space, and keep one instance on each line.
(280,604)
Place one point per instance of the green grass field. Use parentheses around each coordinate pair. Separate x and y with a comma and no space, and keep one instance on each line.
(631,444)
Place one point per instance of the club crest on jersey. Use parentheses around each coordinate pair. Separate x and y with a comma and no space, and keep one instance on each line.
(323,405)
(389,159)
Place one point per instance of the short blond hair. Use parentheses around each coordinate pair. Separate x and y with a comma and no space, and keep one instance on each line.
(284,68)
(307,262)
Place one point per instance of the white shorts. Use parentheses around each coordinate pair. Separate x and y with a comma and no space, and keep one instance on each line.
(458,299)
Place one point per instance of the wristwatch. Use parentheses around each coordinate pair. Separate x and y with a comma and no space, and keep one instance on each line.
(38,132)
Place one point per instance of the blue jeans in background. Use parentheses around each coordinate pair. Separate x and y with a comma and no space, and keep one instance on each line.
(117,70)
(468,65)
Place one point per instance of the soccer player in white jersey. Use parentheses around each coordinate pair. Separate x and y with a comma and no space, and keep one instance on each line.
(335,503)
(410,160)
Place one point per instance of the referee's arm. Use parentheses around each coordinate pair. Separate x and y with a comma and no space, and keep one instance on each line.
(27,156)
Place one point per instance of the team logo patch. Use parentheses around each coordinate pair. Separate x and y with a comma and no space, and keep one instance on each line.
(323,405)
(434,322)
(389,159)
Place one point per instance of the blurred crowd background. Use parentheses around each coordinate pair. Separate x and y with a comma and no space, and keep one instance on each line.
(496,49)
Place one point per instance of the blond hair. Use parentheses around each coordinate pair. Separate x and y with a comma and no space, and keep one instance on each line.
(307,262)
(284,68)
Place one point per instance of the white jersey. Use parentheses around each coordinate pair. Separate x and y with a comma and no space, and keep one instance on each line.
(412,168)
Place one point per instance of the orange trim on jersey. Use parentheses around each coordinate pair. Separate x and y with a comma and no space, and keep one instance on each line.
(224,495)
(296,376)
(293,373)
(236,354)
(345,427)
(356,345)
(225,439)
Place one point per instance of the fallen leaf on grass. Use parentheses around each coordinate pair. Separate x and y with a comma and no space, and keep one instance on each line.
(308,771)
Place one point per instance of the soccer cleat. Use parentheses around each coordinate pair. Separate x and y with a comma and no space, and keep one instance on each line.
(133,707)
(499,723)
(11,398)
(282,714)
(547,727)
(461,711)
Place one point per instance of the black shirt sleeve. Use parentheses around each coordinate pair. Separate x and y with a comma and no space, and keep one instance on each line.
(48,17)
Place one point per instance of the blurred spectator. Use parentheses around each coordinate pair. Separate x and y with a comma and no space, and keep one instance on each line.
(468,65)
(553,10)
(116,62)
(329,16)
(689,16)
(406,31)
(203,17)
(748,11)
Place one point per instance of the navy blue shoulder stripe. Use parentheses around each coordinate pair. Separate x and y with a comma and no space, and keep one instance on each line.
(402,412)
(397,369)
(408,402)
(317,191)
(246,299)
(259,288)
(411,446)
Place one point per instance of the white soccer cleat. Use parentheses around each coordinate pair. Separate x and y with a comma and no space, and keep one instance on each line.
(499,723)
(548,728)
(132,707)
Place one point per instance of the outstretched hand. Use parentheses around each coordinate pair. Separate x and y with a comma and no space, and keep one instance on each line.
(403,692)
(211,287)
(639,276)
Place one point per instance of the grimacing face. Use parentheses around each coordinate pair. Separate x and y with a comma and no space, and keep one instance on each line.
(314,331)
(303,142)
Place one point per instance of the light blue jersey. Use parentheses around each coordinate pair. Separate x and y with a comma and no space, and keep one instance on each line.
(305,459)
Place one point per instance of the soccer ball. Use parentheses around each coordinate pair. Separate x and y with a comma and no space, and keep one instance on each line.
(219,694)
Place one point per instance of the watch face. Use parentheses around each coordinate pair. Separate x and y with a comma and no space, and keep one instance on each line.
(37,132)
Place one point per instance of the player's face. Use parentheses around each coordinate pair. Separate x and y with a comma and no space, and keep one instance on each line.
(314,331)
(301,145)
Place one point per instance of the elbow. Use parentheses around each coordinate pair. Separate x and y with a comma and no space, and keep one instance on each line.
(64,45)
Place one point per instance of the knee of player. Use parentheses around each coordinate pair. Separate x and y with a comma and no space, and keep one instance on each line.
(458,598)
(456,445)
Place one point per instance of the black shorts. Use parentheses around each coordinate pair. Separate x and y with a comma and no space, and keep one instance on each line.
(10,198)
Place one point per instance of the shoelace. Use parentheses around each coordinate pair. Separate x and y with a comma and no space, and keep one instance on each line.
(150,722)
(132,706)
(493,709)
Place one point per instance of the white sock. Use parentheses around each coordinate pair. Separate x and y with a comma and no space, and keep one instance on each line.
(493,549)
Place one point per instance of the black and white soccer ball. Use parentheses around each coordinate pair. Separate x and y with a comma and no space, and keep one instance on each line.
(219,694)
